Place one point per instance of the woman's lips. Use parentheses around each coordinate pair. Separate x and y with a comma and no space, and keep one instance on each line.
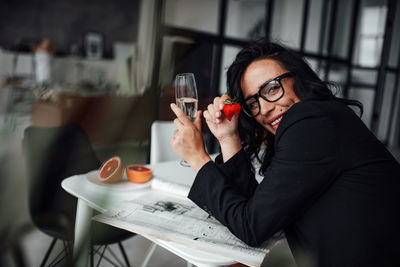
(275,123)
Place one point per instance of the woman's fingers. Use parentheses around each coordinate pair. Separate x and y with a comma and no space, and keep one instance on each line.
(224,98)
(208,117)
(178,123)
(215,110)
(197,122)
(218,105)
(180,115)
(211,110)
(214,113)
(174,136)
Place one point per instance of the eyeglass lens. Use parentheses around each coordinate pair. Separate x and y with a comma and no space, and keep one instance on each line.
(271,92)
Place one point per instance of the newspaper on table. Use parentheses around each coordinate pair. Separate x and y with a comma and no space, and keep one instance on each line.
(166,213)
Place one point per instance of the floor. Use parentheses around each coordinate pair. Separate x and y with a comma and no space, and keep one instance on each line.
(134,248)
(35,244)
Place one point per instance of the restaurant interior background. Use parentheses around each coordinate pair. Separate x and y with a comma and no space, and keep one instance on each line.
(112,65)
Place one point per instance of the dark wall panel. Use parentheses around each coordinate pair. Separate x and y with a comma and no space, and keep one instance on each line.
(65,22)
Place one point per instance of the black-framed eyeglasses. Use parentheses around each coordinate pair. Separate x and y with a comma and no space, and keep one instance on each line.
(270,91)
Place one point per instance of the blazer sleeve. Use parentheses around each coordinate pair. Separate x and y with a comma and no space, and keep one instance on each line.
(238,171)
(303,167)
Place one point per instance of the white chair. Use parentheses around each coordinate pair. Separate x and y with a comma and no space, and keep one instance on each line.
(160,147)
(161,150)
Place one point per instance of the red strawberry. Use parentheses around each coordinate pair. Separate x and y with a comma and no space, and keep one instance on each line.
(231,107)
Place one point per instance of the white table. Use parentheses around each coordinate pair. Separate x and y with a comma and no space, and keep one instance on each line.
(91,196)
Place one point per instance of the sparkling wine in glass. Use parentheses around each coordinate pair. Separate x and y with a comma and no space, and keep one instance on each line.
(186,94)
(186,97)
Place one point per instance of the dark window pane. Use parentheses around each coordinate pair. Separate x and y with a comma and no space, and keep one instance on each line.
(368,77)
(287,22)
(370,33)
(184,55)
(313,26)
(245,19)
(228,55)
(386,109)
(395,46)
(338,74)
(313,63)
(343,26)
(366,97)
(192,14)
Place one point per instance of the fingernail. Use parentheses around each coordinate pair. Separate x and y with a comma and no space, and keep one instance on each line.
(221,105)
(217,113)
(217,120)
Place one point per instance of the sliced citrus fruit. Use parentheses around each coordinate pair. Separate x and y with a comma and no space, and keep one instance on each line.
(111,171)
(138,174)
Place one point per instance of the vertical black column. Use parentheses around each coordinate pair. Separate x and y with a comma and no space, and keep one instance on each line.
(395,97)
(217,49)
(306,5)
(331,38)
(269,9)
(155,83)
(352,44)
(324,14)
(380,86)
(209,140)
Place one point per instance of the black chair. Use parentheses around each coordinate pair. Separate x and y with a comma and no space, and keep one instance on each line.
(51,155)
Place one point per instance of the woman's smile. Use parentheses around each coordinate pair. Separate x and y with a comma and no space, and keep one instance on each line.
(256,74)
(274,122)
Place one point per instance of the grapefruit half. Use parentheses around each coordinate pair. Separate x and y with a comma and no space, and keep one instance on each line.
(111,171)
(138,174)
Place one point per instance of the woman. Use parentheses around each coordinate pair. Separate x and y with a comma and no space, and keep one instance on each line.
(328,182)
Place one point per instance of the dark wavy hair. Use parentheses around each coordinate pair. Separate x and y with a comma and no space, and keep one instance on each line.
(307,86)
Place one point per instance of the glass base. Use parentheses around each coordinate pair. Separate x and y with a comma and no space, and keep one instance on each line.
(184,163)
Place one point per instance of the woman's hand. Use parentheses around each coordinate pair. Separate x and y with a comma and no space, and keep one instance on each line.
(187,141)
(225,131)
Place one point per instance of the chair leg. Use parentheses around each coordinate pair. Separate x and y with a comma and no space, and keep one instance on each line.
(148,254)
(102,255)
(48,252)
(114,256)
(124,254)
(91,256)
(100,251)
(68,248)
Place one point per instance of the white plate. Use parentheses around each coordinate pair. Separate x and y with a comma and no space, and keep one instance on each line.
(124,184)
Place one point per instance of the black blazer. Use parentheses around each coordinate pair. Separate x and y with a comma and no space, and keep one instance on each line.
(331,186)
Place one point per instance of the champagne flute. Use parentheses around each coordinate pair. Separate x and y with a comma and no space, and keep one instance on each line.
(186,97)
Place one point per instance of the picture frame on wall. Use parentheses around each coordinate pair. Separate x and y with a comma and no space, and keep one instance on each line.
(94,45)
